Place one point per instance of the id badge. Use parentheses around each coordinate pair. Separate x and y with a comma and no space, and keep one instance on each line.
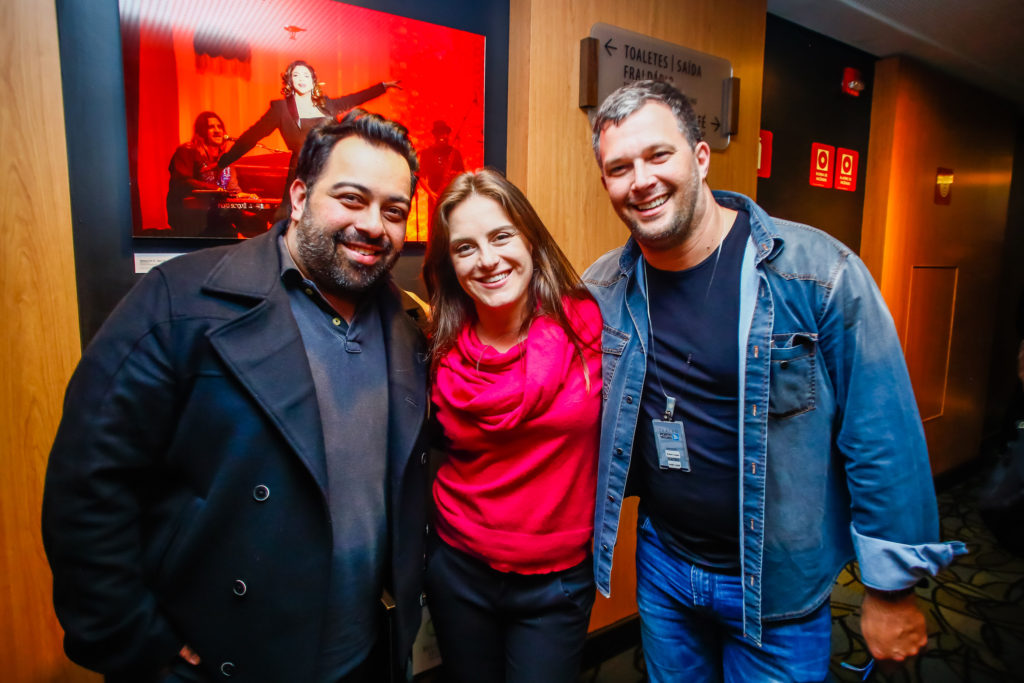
(671,442)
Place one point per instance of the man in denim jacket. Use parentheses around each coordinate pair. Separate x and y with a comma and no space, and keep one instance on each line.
(754,378)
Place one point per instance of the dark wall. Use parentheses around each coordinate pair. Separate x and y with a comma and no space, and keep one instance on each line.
(1006,395)
(94,119)
(803,103)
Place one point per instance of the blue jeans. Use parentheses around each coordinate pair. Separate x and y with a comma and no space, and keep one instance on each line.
(692,625)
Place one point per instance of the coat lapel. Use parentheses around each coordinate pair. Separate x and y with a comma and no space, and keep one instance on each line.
(407,382)
(293,111)
(264,350)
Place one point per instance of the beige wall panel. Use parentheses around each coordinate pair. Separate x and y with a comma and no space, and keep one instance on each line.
(877,173)
(549,153)
(518,91)
(550,157)
(922,121)
(40,330)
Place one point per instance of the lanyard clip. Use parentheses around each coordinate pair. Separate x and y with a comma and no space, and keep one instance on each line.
(670,407)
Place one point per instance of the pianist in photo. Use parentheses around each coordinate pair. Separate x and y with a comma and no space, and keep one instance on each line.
(196,183)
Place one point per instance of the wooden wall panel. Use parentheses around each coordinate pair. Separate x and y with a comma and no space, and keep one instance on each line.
(40,330)
(921,121)
(549,152)
(550,156)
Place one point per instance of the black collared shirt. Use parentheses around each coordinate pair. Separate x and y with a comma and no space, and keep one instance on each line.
(348,362)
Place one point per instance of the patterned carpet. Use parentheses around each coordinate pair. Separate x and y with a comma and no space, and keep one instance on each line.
(974,611)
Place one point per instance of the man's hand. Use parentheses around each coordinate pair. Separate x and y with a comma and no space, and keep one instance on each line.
(893,628)
(189,655)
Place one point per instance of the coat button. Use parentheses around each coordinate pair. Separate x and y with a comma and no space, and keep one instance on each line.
(423,599)
(629,399)
(423,458)
(228,669)
(784,364)
(239,588)
(261,493)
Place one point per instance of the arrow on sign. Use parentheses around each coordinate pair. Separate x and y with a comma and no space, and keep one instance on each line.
(609,48)
(716,123)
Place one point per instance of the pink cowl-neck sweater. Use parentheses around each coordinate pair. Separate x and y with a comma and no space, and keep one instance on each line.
(517,488)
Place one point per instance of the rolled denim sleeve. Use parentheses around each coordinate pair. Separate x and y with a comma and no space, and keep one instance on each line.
(889,566)
(894,527)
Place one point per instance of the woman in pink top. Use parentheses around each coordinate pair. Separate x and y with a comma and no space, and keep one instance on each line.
(515,343)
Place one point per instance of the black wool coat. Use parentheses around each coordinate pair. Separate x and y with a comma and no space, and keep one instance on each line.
(185,496)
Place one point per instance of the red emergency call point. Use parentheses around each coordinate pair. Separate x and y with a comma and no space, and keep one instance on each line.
(846,169)
(853,82)
(822,164)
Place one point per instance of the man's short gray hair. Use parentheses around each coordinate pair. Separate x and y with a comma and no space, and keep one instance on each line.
(625,102)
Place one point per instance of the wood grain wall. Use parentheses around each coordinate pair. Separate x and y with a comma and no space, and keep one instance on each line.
(549,153)
(922,120)
(40,330)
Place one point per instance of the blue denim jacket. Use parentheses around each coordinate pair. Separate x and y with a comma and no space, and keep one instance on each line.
(832,451)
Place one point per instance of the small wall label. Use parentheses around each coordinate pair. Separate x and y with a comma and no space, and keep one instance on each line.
(846,169)
(822,164)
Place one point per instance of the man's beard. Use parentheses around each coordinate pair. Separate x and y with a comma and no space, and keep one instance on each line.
(332,271)
(680,227)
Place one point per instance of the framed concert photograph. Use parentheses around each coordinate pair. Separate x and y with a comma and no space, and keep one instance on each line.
(219,97)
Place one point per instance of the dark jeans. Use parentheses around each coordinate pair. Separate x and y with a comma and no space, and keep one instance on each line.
(502,627)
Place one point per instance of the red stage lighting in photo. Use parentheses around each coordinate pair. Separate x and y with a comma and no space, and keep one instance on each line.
(183,57)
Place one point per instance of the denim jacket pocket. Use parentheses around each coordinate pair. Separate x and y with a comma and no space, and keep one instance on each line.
(791,390)
(613,343)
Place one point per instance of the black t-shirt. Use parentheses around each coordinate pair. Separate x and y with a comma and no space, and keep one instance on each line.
(694,326)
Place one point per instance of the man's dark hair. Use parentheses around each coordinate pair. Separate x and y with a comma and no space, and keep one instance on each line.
(628,99)
(199,125)
(373,128)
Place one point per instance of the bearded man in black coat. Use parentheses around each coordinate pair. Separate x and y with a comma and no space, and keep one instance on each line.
(239,475)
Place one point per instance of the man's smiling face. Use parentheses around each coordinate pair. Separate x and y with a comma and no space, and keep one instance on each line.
(349,227)
(653,175)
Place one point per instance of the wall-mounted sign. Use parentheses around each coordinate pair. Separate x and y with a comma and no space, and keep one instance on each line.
(612,57)
(822,163)
(764,154)
(846,169)
(943,185)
